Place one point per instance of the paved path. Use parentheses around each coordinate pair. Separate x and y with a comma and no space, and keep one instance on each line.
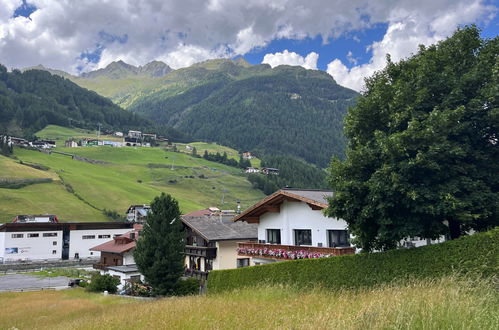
(20,282)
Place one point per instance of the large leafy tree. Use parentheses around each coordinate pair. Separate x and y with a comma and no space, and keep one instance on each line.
(423,152)
(160,248)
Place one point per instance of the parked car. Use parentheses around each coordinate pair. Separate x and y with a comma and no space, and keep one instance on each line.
(76,282)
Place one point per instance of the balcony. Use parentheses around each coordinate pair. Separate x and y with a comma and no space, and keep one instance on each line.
(289,252)
(100,266)
(201,251)
(199,274)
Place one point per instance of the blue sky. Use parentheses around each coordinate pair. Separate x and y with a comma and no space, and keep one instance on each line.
(349,40)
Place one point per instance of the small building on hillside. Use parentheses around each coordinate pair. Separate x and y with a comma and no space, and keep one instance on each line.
(149,136)
(70,144)
(248,155)
(270,170)
(39,218)
(135,134)
(118,134)
(43,144)
(212,242)
(251,170)
(291,225)
(116,257)
(137,213)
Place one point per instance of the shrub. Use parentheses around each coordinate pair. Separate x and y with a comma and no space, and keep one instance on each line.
(100,283)
(188,286)
(476,254)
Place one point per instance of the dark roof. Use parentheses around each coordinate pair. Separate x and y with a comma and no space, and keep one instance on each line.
(214,229)
(316,199)
(198,213)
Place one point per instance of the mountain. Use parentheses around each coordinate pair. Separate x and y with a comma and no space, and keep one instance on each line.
(32,99)
(120,69)
(282,110)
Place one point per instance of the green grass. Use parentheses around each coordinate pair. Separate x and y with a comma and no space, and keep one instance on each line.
(68,272)
(447,303)
(60,134)
(213,148)
(130,176)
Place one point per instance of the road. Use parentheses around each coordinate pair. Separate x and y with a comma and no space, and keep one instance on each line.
(25,282)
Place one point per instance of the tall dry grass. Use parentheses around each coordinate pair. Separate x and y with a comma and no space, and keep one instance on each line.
(448,303)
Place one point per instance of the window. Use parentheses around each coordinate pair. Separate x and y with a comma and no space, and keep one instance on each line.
(34,235)
(49,234)
(303,237)
(337,238)
(17,235)
(135,278)
(88,237)
(54,251)
(54,243)
(274,236)
(104,236)
(243,262)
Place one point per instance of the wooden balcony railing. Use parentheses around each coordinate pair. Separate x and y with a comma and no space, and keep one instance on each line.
(201,251)
(100,266)
(196,273)
(277,251)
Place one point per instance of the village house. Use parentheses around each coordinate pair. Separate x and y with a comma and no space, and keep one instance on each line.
(118,134)
(212,241)
(137,213)
(30,241)
(116,257)
(292,225)
(248,155)
(251,170)
(43,144)
(135,134)
(270,170)
(70,144)
(35,218)
(149,136)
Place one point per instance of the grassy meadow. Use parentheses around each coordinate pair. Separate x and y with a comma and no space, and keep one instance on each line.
(448,303)
(81,190)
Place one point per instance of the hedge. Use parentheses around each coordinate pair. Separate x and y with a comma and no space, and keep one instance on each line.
(477,254)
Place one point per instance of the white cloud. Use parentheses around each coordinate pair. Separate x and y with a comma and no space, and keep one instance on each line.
(183,31)
(292,58)
(407,29)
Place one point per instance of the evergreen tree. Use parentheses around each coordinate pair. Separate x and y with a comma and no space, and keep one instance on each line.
(160,248)
(194,152)
(205,156)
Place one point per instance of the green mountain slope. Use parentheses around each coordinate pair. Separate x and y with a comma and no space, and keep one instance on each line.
(284,110)
(80,191)
(32,99)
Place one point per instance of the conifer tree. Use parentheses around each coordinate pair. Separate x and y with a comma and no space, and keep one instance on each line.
(159,253)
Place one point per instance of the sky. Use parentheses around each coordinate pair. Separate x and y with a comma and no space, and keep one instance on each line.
(349,39)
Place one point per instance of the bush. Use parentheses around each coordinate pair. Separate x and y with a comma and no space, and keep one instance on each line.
(100,283)
(185,287)
(476,254)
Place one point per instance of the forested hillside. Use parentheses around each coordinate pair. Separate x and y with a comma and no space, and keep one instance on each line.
(285,110)
(32,99)
(293,173)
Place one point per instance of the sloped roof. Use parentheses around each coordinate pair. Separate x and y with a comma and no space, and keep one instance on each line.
(212,228)
(316,199)
(198,213)
(120,244)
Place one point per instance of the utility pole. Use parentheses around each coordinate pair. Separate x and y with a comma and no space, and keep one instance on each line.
(98,132)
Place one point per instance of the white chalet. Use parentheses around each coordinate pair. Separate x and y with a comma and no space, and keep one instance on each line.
(292,225)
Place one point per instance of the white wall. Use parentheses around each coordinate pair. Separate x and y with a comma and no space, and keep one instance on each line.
(128,259)
(123,277)
(30,248)
(81,246)
(298,215)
